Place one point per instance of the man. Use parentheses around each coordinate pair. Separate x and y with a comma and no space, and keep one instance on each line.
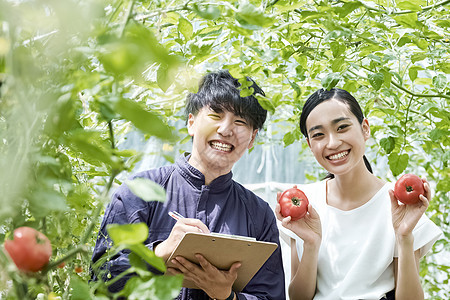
(199,186)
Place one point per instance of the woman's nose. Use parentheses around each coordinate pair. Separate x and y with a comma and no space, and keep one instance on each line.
(333,141)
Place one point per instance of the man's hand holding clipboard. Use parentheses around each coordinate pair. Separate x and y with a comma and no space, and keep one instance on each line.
(212,261)
(215,282)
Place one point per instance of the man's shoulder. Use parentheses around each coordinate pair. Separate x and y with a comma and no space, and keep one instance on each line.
(250,198)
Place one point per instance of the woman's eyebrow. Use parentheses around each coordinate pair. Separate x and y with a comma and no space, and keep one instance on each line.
(335,121)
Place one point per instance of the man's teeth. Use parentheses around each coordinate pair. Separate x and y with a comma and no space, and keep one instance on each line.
(221,146)
(339,155)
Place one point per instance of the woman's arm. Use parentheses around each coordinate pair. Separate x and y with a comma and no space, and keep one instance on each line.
(406,270)
(304,272)
(406,266)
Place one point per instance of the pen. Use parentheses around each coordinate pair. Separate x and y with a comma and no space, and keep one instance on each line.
(176,215)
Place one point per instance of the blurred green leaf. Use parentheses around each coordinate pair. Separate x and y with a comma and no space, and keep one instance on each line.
(148,255)
(331,80)
(147,121)
(209,12)
(186,28)
(128,234)
(146,189)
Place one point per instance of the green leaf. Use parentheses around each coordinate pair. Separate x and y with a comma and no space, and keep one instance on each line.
(266,103)
(147,121)
(148,255)
(443,185)
(413,71)
(163,78)
(445,156)
(249,14)
(376,80)
(388,144)
(437,133)
(423,81)
(209,12)
(347,8)
(79,289)
(407,20)
(337,48)
(86,143)
(409,5)
(338,64)
(440,82)
(398,163)
(290,137)
(128,234)
(331,80)
(186,28)
(146,189)
(155,288)
(43,201)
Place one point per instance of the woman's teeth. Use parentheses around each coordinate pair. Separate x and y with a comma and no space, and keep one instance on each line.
(338,156)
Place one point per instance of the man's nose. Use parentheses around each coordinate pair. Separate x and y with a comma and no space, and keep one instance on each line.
(225,128)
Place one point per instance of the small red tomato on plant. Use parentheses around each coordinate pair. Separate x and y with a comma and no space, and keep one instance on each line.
(408,188)
(78,269)
(62,265)
(29,249)
(294,203)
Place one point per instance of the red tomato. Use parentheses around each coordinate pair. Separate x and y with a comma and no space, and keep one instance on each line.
(62,265)
(78,269)
(294,203)
(30,249)
(408,188)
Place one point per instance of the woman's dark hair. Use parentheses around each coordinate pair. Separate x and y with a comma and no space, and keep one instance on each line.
(220,91)
(323,95)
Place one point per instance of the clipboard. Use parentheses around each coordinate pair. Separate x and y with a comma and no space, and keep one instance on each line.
(222,251)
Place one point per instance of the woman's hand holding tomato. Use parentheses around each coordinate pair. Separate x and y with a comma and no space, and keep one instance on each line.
(406,216)
(308,228)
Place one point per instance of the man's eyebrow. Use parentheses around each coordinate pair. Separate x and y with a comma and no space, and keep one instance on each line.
(335,121)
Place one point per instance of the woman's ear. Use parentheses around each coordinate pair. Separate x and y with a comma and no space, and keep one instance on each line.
(366,129)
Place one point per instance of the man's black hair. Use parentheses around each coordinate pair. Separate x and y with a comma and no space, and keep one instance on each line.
(220,92)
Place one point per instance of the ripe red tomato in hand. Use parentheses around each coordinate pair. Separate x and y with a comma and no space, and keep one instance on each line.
(408,188)
(30,249)
(294,203)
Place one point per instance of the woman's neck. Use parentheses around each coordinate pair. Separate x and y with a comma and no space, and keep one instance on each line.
(351,190)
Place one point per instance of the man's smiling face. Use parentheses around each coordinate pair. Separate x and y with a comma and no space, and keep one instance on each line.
(220,139)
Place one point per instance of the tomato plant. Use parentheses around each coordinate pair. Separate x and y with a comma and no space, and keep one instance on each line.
(294,203)
(408,188)
(30,249)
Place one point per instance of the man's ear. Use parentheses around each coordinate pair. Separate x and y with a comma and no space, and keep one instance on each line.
(250,145)
(190,124)
(366,129)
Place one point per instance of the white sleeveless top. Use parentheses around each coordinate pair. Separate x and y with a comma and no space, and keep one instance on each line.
(358,246)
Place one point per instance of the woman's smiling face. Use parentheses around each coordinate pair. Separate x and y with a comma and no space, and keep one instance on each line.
(335,136)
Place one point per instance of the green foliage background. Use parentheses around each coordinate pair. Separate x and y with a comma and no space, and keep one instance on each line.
(77,76)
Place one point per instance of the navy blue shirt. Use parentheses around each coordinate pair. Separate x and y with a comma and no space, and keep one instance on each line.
(224,206)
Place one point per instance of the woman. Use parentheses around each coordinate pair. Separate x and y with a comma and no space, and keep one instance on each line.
(357,241)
